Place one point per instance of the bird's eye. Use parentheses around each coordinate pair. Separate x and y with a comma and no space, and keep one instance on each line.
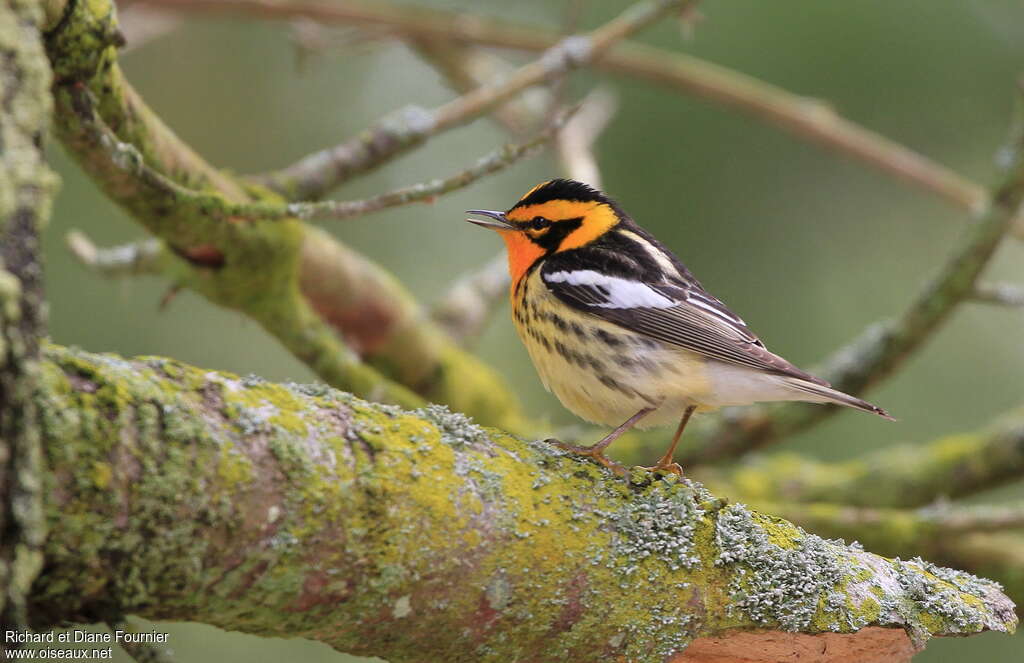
(539,223)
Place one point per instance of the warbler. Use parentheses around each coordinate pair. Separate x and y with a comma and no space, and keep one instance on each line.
(621,331)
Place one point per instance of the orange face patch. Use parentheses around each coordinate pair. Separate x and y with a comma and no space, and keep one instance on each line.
(522,253)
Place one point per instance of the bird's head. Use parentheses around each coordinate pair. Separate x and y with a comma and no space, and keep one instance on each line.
(557,215)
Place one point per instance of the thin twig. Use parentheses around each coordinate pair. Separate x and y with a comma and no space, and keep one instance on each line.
(142,257)
(313,176)
(805,117)
(493,162)
(1004,294)
(466,68)
(576,142)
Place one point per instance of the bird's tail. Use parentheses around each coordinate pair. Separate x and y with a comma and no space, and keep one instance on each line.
(824,394)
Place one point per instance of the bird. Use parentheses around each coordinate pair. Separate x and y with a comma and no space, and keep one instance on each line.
(620,330)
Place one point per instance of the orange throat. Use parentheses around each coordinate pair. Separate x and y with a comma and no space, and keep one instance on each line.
(522,253)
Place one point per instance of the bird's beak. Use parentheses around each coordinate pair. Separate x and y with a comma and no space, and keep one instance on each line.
(494,220)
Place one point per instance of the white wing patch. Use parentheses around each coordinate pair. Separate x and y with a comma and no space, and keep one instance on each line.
(611,291)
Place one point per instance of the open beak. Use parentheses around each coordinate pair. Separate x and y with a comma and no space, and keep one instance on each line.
(494,220)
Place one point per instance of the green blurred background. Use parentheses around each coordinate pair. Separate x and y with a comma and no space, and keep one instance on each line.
(808,246)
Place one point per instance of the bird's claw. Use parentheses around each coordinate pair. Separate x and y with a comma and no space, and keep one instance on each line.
(594,452)
(670,466)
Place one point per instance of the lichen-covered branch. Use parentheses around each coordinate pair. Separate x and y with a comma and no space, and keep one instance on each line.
(27,186)
(986,538)
(300,511)
(316,174)
(806,118)
(896,476)
(333,316)
(999,554)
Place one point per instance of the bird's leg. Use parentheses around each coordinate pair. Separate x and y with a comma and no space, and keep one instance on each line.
(666,462)
(596,451)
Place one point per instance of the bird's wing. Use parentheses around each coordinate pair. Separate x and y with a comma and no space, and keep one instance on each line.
(680,314)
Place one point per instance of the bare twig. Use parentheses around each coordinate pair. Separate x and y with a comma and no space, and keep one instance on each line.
(805,117)
(495,161)
(125,260)
(576,142)
(466,68)
(314,175)
(1005,294)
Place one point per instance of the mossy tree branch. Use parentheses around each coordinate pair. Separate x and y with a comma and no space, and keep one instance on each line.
(182,493)
(27,186)
(300,284)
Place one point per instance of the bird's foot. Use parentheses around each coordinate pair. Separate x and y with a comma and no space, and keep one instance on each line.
(595,453)
(665,465)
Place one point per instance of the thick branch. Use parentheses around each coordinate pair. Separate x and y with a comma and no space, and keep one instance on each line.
(181,493)
(27,186)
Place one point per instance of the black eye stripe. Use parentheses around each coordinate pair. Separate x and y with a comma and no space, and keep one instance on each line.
(539,223)
(557,232)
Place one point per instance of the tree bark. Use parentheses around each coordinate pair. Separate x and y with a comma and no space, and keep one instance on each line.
(26,189)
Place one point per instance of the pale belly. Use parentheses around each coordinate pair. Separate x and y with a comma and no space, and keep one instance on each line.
(606,374)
